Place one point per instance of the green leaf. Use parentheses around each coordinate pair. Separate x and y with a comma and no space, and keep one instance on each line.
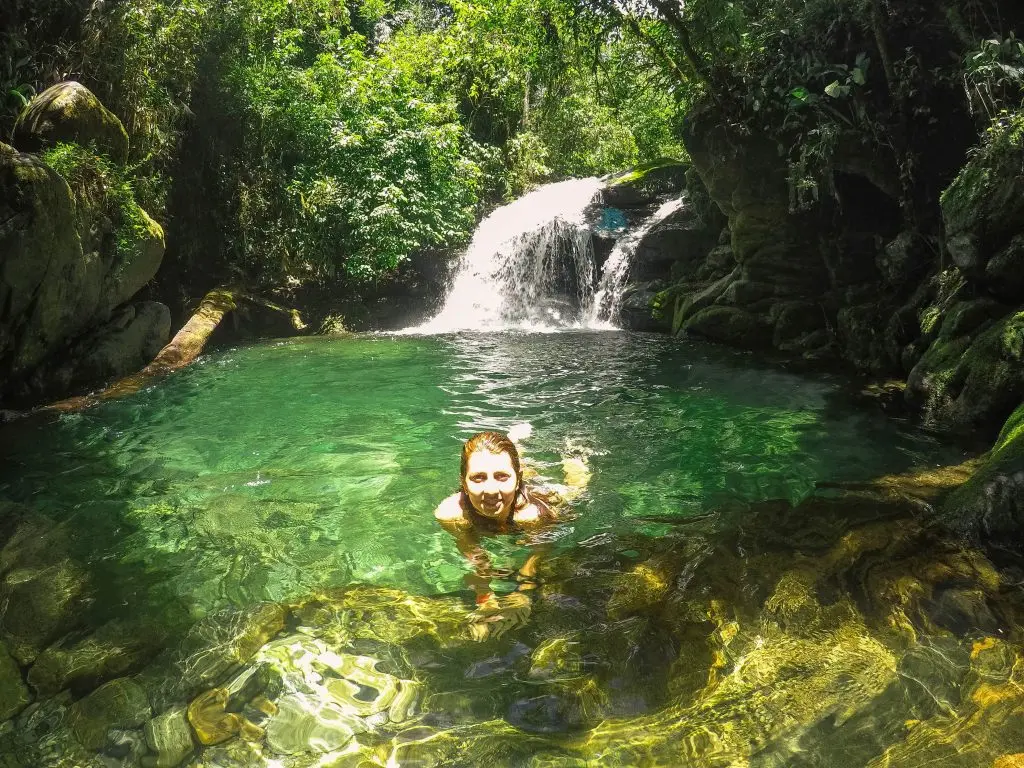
(834,89)
(858,76)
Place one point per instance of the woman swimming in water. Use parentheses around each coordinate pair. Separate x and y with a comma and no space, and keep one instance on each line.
(495,498)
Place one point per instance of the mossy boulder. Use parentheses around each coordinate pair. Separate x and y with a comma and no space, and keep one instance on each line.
(69,112)
(73,252)
(983,211)
(643,184)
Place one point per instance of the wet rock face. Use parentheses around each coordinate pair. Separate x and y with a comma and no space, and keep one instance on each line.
(69,112)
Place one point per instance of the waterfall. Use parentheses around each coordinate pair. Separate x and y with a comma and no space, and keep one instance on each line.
(603,311)
(531,266)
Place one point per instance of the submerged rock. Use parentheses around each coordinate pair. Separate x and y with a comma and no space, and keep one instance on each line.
(214,647)
(38,604)
(14,695)
(121,703)
(116,648)
(170,737)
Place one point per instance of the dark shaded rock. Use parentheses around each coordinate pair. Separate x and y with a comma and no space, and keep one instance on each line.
(115,649)
(125,344)
(69,112)
(730,325)
(645,183)
(1004,273)
(39,604)
(637,310)
(679,243)
(905,259)
(63,271)
(793,319)
(46,285)
(861,334)
(121,703)
(14,695)
(720,261)
(746,178)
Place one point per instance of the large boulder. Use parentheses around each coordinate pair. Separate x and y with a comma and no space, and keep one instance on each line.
(68,259)
(126,343)
(642,185)
(69,112)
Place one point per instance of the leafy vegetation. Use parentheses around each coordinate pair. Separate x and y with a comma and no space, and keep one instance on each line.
(318,140)
(107,186)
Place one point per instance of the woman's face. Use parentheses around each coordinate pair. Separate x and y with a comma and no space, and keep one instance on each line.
(491,483)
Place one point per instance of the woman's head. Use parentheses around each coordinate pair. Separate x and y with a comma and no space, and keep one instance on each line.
(490,473)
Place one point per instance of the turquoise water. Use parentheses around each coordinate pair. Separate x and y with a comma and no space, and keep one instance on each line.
(268,472)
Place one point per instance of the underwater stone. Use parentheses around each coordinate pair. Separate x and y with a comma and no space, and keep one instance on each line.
(212,722)
(112,651)
(14,696)
(170,736)
(121,703)
(39,604)
(303,724)
(215,646)
(556,658)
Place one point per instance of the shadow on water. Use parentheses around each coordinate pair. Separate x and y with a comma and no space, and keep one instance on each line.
(705,608)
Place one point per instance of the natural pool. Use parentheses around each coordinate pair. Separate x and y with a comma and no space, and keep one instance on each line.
(247,551)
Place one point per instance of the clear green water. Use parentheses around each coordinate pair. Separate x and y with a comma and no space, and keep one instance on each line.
(265,472)
(704,607)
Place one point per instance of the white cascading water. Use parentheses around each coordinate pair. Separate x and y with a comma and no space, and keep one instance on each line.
(509,275)
(603,312)
(530,266)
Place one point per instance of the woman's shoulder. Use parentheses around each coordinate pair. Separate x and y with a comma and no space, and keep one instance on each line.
(450,511)
(533,514)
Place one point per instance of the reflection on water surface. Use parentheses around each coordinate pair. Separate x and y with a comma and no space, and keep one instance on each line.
(240,567)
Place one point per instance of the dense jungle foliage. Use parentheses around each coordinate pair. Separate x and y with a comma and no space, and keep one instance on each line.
(295,140)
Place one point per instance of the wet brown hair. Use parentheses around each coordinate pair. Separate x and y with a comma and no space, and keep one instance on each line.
(499,443)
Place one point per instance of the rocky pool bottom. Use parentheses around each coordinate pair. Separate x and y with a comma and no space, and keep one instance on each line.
(847,630)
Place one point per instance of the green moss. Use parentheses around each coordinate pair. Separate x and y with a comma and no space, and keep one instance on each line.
(639,172)
(105,184)
(984,188)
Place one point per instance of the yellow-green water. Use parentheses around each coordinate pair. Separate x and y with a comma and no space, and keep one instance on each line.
(690,614)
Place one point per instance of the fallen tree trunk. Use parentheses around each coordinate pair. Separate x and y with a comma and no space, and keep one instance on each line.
(185,347)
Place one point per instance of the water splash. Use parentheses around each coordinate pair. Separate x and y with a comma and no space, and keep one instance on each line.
(604,309)
(529,267)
